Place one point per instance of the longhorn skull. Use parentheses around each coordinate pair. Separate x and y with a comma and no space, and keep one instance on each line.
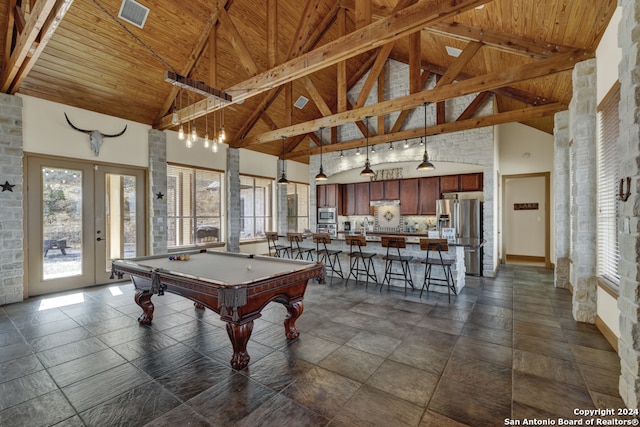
(95,136)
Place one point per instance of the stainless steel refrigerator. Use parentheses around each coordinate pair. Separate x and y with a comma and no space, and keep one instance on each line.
(465,215)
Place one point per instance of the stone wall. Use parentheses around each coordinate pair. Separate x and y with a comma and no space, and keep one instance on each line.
(232,176)
(629,154)
(562,181)
(11,201)
(158,184)
(582,125)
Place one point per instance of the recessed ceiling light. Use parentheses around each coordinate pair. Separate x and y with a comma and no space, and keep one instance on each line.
(453,51)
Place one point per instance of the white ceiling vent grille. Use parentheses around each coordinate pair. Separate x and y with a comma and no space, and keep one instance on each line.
(301,102)
(133,12)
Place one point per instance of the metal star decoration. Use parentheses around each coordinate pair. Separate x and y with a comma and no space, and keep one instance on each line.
(159,195)
(7,187)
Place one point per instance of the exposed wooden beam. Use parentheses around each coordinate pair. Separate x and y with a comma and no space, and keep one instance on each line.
(381,77)
(486,82)
(341,79)
(303,29)
(11,13)
(402,117)
(474,106)
(379,33)
(26,41)
(457,126)
(460,62)
(288,104)
(316,96)
(239,46)
(272,33)
(363,13)
(213,56)
(194,56)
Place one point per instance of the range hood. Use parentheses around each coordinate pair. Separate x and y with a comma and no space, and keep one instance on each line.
(384,203)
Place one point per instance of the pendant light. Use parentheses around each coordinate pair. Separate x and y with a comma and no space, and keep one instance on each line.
(206,128)
(367,171)
(321,176)
(426,165)
(283,179)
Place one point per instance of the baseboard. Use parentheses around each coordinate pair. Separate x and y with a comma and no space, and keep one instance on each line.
(529,258)
(607,333)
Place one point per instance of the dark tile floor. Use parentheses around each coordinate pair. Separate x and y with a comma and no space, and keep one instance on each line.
(505,348)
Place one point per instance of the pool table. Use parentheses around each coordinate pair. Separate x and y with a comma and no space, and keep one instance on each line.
(236,286)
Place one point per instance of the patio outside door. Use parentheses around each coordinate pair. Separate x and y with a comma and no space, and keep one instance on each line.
(80,217)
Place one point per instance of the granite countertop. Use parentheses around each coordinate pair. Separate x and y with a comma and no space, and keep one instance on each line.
(414,238)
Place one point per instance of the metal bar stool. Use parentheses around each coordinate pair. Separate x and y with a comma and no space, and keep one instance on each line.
(275,249)
(360,262)
(393,245)
(439,246)
(326,255)
(295,250)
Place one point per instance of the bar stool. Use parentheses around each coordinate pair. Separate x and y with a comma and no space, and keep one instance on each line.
(439,246)
(326,255)
(275,249)
(360,262)
(393,245)
(295,250)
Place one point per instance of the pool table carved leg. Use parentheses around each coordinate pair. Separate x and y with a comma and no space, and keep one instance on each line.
(239,335)
(143,299)
(294,311)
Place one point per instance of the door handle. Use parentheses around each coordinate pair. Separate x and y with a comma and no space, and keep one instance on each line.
(99,239)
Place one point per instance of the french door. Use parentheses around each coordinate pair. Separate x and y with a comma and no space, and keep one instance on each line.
(81,216)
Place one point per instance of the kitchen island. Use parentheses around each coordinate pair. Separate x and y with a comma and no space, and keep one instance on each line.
(456,252)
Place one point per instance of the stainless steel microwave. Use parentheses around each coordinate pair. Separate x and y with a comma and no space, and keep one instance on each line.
(327,215)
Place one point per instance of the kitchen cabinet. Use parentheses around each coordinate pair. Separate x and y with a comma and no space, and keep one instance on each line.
(348,199)
(362,198)
(329,196)
(429,193)
(385,190)
(409,196)
(449,183)
(471,182)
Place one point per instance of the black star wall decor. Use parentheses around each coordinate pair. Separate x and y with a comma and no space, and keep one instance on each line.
(159,195)
(7,187)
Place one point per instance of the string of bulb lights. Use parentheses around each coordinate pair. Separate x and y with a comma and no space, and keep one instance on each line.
(191,136)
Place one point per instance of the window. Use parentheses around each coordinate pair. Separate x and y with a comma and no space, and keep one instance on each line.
(255,207)
(608,253)
(193,206)
(297,207)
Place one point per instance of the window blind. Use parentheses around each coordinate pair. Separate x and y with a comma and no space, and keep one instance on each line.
(607,187)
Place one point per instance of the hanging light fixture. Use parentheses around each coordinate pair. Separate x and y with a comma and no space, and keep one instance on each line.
(341,153)
(321,176)
(194,134)
(283,179)
(406,144)
(373,148)
(181,128)
(206,128)
(223,136)
(358,151)
(174,115)
(367,171)
(391,146)
(426,165)
(214,140)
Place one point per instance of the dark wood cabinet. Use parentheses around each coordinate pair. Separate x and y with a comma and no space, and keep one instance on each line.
(362,198)
(449,183)
(471,182)
(329,196)
(429,193)
(384,190)
(409,196)
(349,199)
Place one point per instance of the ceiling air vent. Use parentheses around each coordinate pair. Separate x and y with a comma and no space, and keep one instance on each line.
(133,12)
(301,102)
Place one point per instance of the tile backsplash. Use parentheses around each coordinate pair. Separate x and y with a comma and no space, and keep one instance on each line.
(385,221)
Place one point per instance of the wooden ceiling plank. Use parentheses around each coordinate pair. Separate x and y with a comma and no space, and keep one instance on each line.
(341,83)
(363,13)
(489,81)
(195,55)
(294,142)
(460,62)
(11,13)
(414,62)
(272,33)
(316,96)
(396,26)
(402,117)
(475,123)
(239,46)
(302,31)
(213,56)
(474,106)
(288,104)
(25,41)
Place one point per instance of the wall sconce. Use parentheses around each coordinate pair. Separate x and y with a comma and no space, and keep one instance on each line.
(622,195)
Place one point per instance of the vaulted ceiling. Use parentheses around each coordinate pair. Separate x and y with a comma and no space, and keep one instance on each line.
(265,54)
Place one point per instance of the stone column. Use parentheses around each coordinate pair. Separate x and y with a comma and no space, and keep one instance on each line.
(583,129)
(11,201)
(233,200)
(562,181)
(158,191)
(629,224)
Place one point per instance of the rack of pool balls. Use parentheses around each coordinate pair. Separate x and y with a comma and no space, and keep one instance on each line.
(178,257)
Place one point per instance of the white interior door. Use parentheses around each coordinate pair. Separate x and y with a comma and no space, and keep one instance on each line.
(80,216)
